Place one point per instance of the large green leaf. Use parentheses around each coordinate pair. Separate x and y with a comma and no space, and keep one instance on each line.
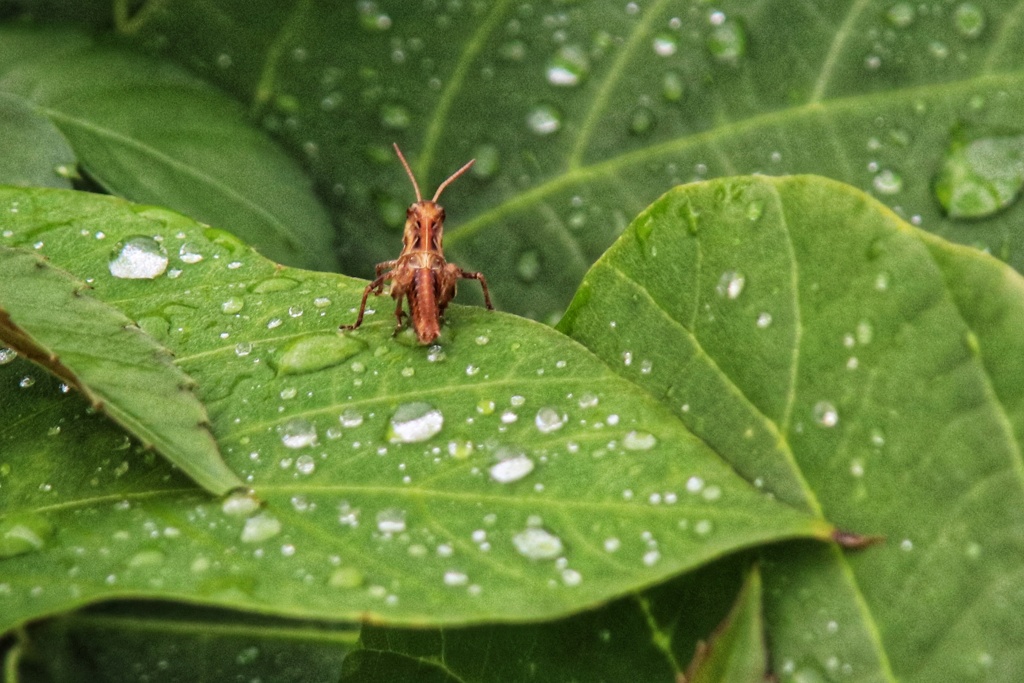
(504,475)
(48,316)
(842,358)
(33,152)
(582,113)
(152,133)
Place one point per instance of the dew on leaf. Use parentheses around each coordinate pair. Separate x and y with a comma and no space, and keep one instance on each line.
(395,116)
(391,521)
(260,528)
(315,352)
(825,414)
(488,161)
(568,67)
(511,467)
(414,422)
(350,417)
(528,266)
(887,182)
(969,20)
(672,86)
(297,433)
(544,119)
(665,44)
(549,420)
(23,533)
(639,441)
(274,284)
(764,320)
(537,544)
(730,284)
(305,464)
(240,504)
(980,177)
(727,41)
(346,577)
(7,355)
(901,14)
(138,258)
(588,400)
(641,120)
(453,577)
(232,305)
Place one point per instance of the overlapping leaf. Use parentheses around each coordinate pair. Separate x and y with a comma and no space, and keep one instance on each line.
(506,474)
(847,360)
(152,133)
(47,316)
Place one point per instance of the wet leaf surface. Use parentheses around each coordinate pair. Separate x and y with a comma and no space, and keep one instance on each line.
(856,365)
(48,316)
(505,474)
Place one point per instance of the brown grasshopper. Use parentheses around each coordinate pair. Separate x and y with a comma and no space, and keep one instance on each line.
(420,272)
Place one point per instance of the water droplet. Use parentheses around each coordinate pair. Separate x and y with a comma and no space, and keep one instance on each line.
(7,355)
(612,544)
(189,253)
(969,20)
(138,258)
(305,464)
(240,504)
(391,521)
(731,284)
(549,420)
(232,305)
(414,422)
(571,577)
(764,320)
(350,418)
(695,484)
(665,44)
(641,121)
(588,400)
(980,177)
(315,352)
(639,441)
(727,41)
(537,544)
(901,14)
(703,527)
(297,433)
(887,182)
(23,533)
(455,578)
(755,210)
(487,161)
(528,266)
(371,18)
(260,528)
(395,116)
(825,414)
(544,119)
(568,67)
(511,467)
(651,557)
(672,86)
(865,332)
(346,577)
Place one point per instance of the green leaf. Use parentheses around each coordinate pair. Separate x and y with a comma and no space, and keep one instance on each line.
(736,652)
(150,132)
(841,358)
(167,643)
(585,112)
(47,316)
(504,475)
(32,150)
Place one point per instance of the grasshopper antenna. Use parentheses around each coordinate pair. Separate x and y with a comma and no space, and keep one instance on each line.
(419,197)
(452,177)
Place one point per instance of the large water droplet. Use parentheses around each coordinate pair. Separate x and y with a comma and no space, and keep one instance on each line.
(549,420)
(23,533)
(138,258)
(980,177)
(727,41)
(7,355)
(969,20)
(240,504)
(537,544)
(665,44)
(232,305)
(414,422)
(544,119)
(315,352)
(511,467)
(297,433)
(568,67)
(260,528)
(887,181)
(189,253)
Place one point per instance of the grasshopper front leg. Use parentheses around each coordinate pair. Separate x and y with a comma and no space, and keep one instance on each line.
(377,284)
